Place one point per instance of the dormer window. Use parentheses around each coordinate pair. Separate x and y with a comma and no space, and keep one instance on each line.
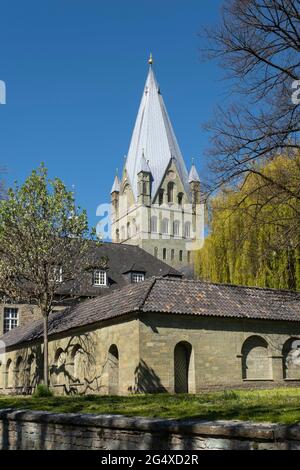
(137,277)
(99,277)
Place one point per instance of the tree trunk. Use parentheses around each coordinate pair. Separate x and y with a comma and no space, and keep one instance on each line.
(46,365)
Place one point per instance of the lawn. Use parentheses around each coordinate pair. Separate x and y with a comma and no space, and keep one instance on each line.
(279,405)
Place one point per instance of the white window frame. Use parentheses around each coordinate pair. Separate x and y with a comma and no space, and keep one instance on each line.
(10,318)
(99,278)
(137,277)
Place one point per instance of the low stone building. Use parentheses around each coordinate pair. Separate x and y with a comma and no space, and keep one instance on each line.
(161,335)
(124,264)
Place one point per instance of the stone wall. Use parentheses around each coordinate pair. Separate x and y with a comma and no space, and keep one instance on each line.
(225,352)
(37,430)
(138,354)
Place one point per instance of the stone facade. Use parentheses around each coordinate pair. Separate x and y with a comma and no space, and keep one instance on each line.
(159,352)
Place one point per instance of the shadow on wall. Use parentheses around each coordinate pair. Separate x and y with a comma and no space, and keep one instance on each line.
(146,380)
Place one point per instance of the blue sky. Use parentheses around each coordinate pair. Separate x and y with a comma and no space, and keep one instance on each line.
(75,72)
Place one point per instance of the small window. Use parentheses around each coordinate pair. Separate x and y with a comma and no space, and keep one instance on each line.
(56,274)
(180,198)
(187,230)
(165,253)
(137,277)
(165,226)
(172,255)
(170,192)
(176,228)
(180,255)
(11,319)
(161,197)
(153,224)
(99,277)
(128,230)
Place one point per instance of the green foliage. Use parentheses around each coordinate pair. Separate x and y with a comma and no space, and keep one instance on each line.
(41,232)
(42,391)
(254,234)
(277,405)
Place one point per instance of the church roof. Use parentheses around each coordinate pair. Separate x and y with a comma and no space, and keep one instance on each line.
(116,185)
(168,296)
(193,174)
(153,137)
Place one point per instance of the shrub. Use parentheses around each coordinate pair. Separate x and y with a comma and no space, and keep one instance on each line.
(42,391)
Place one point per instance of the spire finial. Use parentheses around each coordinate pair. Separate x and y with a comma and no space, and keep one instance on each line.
(150,60)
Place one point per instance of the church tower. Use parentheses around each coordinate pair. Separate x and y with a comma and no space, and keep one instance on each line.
(156,204)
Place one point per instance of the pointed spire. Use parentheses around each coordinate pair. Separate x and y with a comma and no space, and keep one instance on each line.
(153,132)
(144,165)
(193,174)
(116,186)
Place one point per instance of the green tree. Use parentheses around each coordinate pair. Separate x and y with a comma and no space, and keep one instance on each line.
(43,240)
(254,234)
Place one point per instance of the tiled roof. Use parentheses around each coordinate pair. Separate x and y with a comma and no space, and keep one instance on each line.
(174,296)
(122,258)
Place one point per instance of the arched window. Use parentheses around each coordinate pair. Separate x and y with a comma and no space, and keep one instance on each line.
(180,255)
(134,228)
(172,254)
(155,252)
(18,372)
(161,197)
(176,228)
(117,235)
(128,234)
(180,198)
(170,190)
(144,188)
(164,253)
(256,363)
(183,374)
(122,233)
(291,359)
(187,229)
(113,370)
(76,363)
(30,378)
(165,226)
(153,224)
(58,370)
(9,374)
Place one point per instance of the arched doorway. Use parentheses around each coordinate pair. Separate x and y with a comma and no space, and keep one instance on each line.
(113,370)
(182,359)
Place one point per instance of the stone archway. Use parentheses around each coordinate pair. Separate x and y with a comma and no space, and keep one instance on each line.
(182,362)
(113,370)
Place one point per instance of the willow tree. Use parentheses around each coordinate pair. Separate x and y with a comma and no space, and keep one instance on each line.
(254,234)
(43,240)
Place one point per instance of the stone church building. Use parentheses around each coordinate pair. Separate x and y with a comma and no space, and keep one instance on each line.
(138,325)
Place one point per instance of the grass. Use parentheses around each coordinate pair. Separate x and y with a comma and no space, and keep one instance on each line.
(278,405)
